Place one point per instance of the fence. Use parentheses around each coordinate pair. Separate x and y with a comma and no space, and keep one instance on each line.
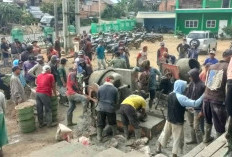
(116,26)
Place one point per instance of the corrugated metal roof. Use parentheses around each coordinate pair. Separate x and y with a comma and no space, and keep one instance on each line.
(155,15)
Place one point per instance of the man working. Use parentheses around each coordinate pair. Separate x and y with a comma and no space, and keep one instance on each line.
(88,48)
(27,65)
(38,68)
(193,52)
(107,101)
(128,110)
(25,54)
(182,48)
(74,97)
(160,54)
(194,91)
(147,80)
(175,117)
(17,89)
(61,81)
(45,87)
(214,107)
(142,56)
(118,62)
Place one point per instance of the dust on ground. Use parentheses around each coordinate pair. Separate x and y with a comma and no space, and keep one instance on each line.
(22,144)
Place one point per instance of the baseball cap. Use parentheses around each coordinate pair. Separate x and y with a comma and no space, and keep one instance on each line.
(212,52)
(227,53)
(46,68)
(162,43)
(39,58)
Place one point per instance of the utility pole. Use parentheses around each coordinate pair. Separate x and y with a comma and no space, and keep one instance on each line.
(99,8)
(77,16)
(65,24)
(56,18)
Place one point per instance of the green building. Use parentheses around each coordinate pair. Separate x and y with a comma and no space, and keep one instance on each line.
(213,15)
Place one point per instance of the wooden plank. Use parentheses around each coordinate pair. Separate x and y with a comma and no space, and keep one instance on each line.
(196,150)
(213,147)
(222,151)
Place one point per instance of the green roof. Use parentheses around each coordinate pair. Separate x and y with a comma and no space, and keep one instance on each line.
(205,10)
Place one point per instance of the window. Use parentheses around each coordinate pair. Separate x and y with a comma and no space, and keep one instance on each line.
(191,23)
(210,23)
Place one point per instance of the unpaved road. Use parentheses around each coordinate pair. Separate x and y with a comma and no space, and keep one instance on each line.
(22,144)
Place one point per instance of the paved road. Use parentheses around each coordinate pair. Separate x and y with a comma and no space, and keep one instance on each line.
(38,36)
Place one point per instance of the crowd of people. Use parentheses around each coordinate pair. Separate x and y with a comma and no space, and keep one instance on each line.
(204,100)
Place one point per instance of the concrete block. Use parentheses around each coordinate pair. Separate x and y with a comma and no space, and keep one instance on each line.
(151,127)
(64,149)
(136,154)
(112,152)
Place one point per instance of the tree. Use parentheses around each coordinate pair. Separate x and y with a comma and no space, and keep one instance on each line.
(9,13)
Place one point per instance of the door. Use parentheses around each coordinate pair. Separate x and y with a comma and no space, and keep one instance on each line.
(222,24)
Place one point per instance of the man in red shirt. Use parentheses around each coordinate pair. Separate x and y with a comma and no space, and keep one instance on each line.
(74,97)
(160,54)
(88,48)
(45,87)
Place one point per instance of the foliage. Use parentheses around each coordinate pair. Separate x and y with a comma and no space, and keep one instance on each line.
(228,30)
(49,8)
(112,12)
(26,18)
(10,13)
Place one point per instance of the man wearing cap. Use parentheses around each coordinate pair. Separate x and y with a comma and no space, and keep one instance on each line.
(61,81)
(38,68)
(101,56)
(118,62)
(214,107)
(193,52)
(142,56)
(16,88)
(160,54)
(21,76)
(182,48)
(211,59)
(30,63)
(25,54)
(74,96)
(107,101)
(36,48)
(45,89)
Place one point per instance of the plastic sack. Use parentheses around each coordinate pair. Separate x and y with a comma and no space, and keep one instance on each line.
(63,133)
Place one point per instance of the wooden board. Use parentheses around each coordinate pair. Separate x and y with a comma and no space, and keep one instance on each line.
(213,147)
(196,150)
(222,151)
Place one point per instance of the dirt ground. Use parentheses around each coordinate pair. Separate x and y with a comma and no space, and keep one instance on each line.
(22,144)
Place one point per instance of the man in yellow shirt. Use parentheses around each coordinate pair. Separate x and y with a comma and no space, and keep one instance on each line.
(128,110)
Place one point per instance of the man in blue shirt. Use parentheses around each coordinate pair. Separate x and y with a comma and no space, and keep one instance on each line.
(211,59)
(101,56)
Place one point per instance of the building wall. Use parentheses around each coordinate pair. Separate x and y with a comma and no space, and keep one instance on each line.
(170,5)
(181,18)
(149,23)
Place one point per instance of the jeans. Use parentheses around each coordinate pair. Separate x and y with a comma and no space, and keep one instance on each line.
(215,114)
(129,116)
(101,62)
(43,100)
(102,116)
(6,62)
(76,98)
